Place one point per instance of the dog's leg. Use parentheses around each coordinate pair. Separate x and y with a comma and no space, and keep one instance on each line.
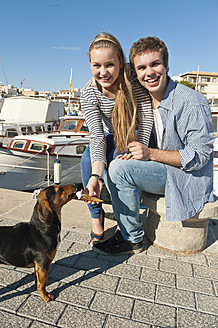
(42,279)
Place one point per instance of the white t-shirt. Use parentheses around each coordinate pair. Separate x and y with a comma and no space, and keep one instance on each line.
(158,127)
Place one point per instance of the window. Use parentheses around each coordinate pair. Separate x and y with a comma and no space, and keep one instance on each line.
(39,128)
(205,79)
(69,125)
(202,88)
(36,146)
(214,80)
(18,144)
(84,127)
(11,133)
(80,149)
(214,118)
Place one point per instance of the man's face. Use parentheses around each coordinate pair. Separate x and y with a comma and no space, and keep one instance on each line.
(151,73)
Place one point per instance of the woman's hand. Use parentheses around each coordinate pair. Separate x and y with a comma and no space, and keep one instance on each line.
(94,188)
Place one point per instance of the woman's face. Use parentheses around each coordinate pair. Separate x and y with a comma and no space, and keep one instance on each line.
(105,66)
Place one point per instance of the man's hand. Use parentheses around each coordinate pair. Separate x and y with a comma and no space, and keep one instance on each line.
(136,151)
(139,151)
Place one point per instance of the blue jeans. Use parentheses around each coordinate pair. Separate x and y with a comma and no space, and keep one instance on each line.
(125,179)
(86,170)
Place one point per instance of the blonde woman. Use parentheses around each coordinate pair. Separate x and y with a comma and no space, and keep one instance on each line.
(114,109)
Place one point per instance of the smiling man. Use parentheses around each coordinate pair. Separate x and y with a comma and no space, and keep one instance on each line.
(178,161)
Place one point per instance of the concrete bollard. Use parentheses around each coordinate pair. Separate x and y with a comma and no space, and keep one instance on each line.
(185,237)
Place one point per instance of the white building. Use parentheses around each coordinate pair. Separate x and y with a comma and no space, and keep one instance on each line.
(205,82)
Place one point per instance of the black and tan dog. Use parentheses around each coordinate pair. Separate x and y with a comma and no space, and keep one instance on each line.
(34,244)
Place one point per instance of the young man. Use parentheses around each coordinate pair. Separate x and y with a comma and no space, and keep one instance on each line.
(179,160)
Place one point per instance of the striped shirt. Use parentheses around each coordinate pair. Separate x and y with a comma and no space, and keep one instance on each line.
(98,109)
(187,127)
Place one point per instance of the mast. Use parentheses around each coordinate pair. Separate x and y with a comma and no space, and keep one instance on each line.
(4,72)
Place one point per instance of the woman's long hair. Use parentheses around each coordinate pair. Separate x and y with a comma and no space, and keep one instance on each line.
(124,112)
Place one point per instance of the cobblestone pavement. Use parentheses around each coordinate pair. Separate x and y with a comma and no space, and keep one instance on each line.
(153,289)
(150,289)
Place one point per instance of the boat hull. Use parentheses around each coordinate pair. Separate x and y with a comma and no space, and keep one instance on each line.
(27,172)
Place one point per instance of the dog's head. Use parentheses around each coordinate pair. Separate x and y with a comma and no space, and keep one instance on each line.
(51,199)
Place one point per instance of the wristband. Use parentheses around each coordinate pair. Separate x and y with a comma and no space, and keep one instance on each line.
(97,176)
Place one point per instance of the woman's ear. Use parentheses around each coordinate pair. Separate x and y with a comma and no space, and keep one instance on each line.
(121,62)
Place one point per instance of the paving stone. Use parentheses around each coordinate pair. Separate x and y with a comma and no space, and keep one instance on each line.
(36,308)
(11,299)
(82,318)
(216,287)
(195,284)
(125,270)
(155,251)
(136,289)
(213,261)
(8,222)
(156,314)
(76,236)
(144,260)
(9,320)
(84,249)
(75,295)
(176,267)
(113,304)
(88,263)
(64,273)
(158,277)
(99,281)
(65,258)
(11,278)
(65,244)
(187,319)
(175,297)
(64,233)
(207,304)
(116,322)
(38,324)
(205,272)
(115,258)
(195,258)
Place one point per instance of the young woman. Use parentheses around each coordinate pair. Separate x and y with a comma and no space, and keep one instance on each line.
(114,109)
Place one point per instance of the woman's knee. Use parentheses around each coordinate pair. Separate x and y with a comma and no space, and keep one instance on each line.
(86,160)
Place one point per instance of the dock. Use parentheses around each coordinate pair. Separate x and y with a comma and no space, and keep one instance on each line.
(153,289)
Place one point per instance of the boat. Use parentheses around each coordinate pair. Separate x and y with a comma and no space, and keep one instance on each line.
(27,115)
(30,161)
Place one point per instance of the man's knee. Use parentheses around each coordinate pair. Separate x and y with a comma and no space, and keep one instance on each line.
(115,169)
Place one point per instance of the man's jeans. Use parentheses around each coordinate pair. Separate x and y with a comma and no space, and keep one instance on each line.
(125,179)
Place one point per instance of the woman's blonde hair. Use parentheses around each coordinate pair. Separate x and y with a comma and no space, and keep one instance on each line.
(124,112)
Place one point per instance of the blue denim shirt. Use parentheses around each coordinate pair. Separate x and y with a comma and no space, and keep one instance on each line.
(187,127)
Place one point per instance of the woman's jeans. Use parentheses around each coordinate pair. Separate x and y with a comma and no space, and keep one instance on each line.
(125,179)
(86,170)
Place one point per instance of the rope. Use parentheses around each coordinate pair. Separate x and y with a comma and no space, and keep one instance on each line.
(25,160)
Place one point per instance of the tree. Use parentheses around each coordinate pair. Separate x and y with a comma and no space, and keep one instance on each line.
(188,84)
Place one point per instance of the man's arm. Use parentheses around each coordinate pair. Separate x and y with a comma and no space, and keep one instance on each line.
(143,153)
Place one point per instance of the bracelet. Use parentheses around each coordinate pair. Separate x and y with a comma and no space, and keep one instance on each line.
(97,176)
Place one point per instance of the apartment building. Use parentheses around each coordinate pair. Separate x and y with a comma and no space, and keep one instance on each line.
(205,82)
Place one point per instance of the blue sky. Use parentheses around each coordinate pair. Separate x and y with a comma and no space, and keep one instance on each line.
(41,40)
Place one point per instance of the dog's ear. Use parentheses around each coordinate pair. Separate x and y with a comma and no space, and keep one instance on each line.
(45,212)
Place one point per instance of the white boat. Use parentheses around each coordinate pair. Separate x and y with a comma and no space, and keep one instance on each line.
(28,162)
(28,115)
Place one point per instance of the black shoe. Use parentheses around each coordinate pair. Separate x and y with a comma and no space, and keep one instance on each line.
(117,245)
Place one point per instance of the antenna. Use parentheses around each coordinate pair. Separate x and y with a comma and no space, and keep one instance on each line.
(4,72)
